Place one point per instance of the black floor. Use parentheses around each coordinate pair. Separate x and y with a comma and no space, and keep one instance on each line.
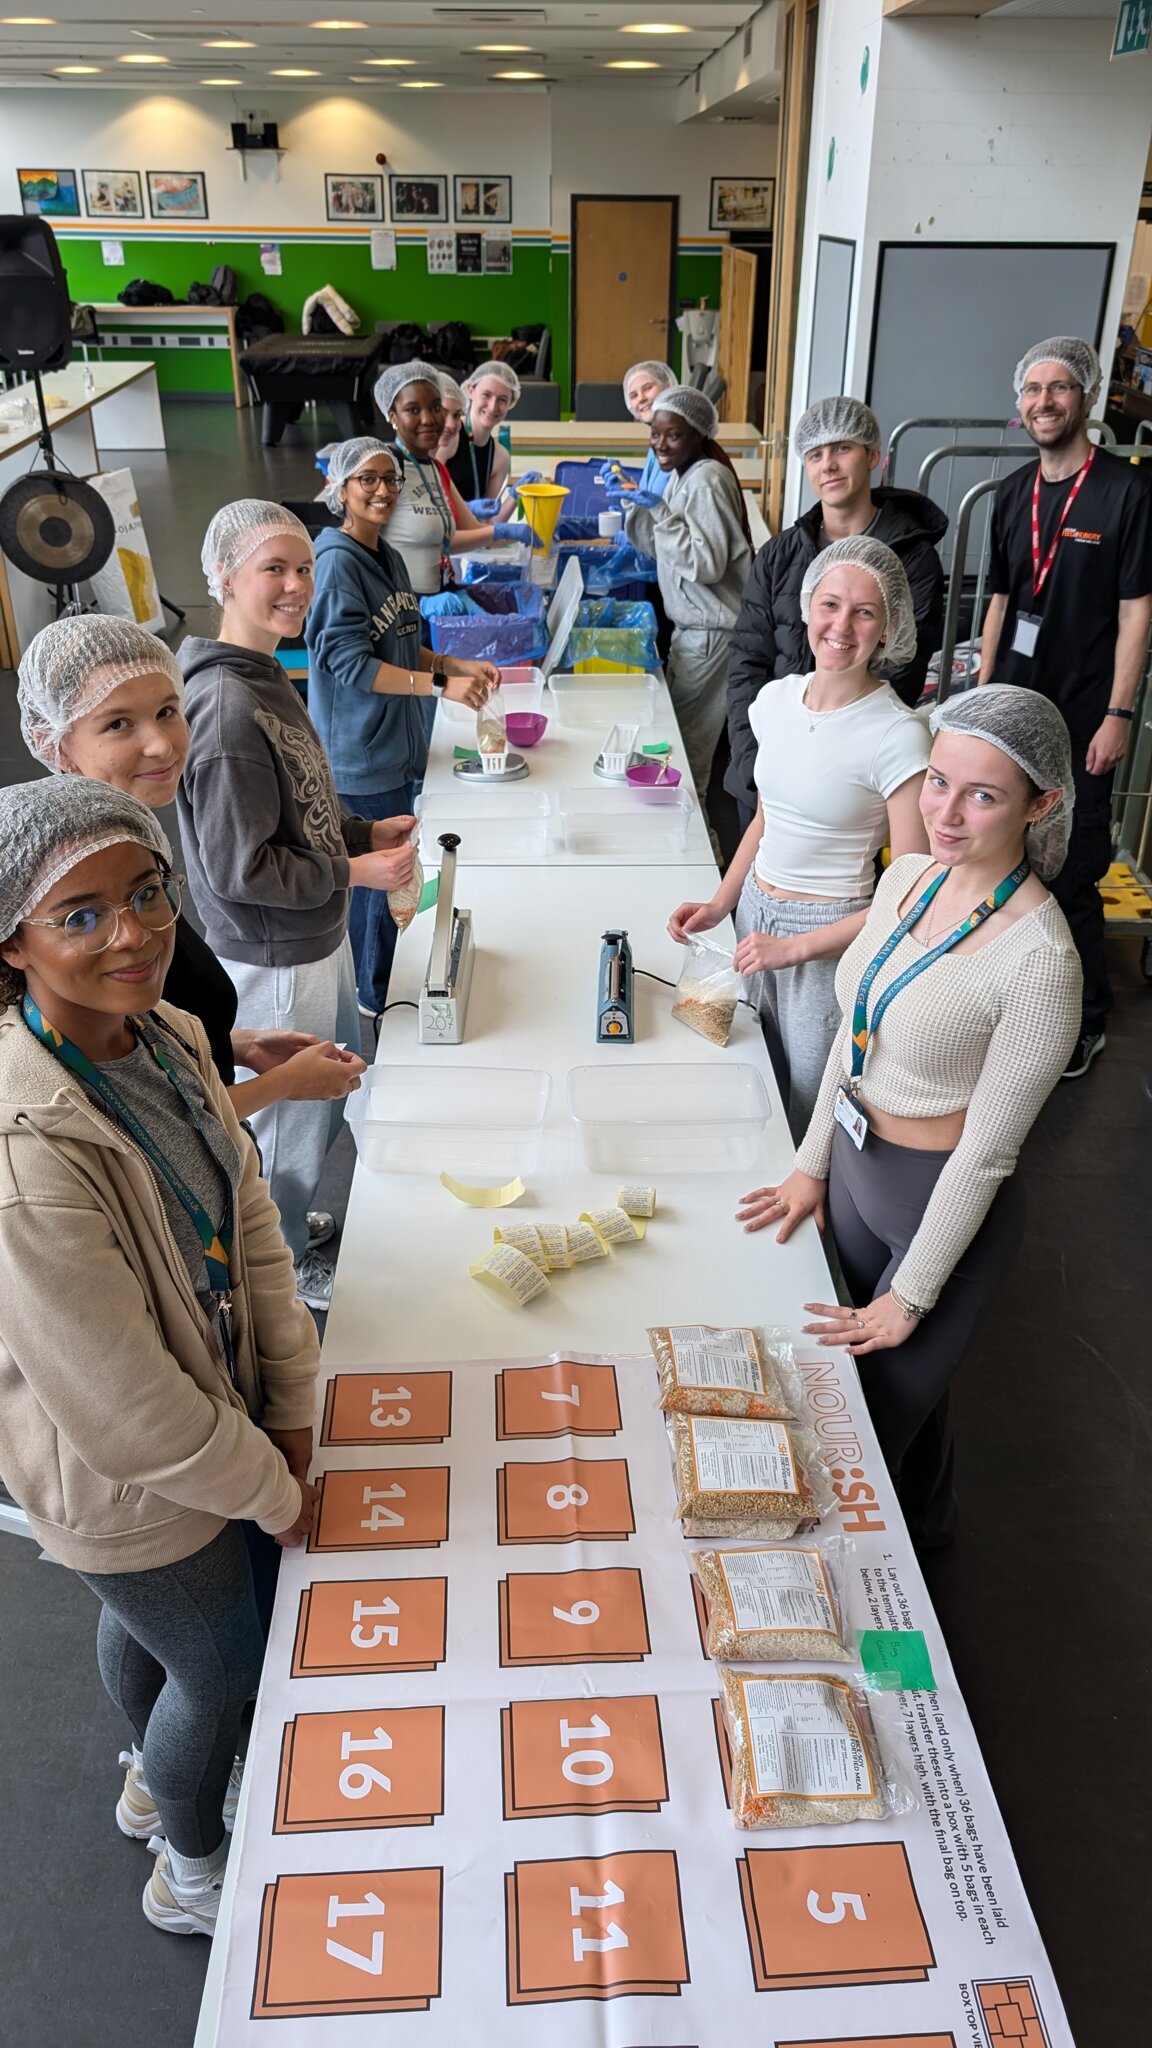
(1045,1600)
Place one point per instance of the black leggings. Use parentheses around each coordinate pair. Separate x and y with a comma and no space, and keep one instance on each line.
(876,1200)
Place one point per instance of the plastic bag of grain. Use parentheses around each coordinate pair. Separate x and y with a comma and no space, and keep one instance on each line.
(706,1369)
(404,903)
(773,1605)
(805,1752)
(745,1478)
(708,991)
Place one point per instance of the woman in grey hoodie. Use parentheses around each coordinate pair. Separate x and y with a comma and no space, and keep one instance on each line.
(698,532)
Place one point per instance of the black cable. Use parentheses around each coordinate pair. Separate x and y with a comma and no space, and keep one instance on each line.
(401,1003)
(649,976)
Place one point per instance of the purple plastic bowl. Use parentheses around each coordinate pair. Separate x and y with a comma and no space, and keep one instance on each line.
(646,774)
(526,727)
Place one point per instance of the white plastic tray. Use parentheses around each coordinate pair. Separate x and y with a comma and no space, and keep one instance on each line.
(641,1117)
(650,823)
(494,823)
(600,701)
(525,692)
(481,1124)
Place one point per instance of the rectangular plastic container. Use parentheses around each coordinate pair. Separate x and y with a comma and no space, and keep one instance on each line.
(595,702)
(522,687)
(648,1118)
(482,1124)
(641,824)
(493,824)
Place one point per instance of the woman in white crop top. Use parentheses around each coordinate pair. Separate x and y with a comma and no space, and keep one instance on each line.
(839,765)
(948,1049)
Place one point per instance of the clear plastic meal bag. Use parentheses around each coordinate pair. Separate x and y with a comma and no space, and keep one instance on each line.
(813,1749)
(708,991)
(404,903)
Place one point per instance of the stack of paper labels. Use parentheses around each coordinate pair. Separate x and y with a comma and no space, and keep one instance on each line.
(523,1254)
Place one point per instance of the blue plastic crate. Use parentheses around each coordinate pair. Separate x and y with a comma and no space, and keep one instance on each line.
(586,496)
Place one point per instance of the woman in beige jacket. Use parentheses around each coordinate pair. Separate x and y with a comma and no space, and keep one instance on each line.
(156,1371)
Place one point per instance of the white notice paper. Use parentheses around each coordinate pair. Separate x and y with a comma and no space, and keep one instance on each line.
(270,259)
(113,253)
(383,248)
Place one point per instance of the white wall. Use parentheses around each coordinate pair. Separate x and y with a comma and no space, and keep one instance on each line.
(634,144)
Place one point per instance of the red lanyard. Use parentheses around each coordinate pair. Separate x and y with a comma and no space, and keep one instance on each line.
(1040,571)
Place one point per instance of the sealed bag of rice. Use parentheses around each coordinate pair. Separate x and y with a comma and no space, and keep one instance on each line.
(746,1478)
(770,1606)
(805,1753)
(707,1370)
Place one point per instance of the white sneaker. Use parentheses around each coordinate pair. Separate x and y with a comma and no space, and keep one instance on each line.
(180,1908)
(232,1795)
(321,1226)
(136,1814)
(314,1277)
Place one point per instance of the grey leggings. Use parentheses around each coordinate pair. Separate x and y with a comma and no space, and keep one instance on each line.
(797,1005)
(180,1650)
(876,1199)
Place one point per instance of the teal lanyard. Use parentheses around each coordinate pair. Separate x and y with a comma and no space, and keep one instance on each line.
(435,490)
(216,1239)
(862,1029)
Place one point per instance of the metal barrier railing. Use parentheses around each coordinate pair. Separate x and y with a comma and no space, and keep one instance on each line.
(1143,432)
(960,424)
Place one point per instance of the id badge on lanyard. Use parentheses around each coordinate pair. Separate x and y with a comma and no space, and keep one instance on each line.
(846,1111)
(1028,624)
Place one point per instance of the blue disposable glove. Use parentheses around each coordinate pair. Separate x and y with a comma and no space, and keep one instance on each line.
(518,530)
(530,476)
(621,498)
(484,508)
(449,604)
(606,474)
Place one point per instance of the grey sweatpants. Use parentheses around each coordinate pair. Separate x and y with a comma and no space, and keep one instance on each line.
(697,672)
(797,1005)
(294,1137)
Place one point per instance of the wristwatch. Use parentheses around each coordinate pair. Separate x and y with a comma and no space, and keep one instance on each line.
(440,679)
(1118,711)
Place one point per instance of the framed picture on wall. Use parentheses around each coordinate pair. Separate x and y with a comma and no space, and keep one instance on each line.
(483,199)
(51,193)
(113,195)
(177,195)
(352,195)
(742,203)
(418,199)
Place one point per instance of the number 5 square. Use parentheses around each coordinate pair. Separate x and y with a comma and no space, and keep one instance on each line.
(354,1941)
(400,1507)
(596,1927)
(581,1617)
(843,1914)
(380,1767)
(573,1500)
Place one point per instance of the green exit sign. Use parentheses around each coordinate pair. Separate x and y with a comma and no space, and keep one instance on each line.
(1133,28)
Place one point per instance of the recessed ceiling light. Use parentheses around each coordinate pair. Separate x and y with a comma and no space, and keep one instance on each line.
(28,20)
(76,70)
(293,71)
(505,49)
(338,24)
(390,63)
(141,57)
(142,35)
(228,43)
(655,28)
(632,64)
(517,74)
(221,81)
(422,84)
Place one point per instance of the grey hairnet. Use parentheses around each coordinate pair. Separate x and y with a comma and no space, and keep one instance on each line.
(48,826)
(689,405)
(346,459)
(390,383)
(1029,729)
(1078,357)
(237,531)
(662,373)
(835,419)
(887,573)
(72,665)
(503,373)
(450,390)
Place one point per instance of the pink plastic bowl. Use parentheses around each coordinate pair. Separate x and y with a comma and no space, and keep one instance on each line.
(646,774)
(526,727)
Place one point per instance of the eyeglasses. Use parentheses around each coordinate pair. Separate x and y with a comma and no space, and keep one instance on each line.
(93,927)
(1058,390)
(370,482)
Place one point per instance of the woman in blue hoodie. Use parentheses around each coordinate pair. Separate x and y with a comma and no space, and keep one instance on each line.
(369,677)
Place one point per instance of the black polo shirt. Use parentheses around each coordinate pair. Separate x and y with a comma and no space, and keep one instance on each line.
(1104,554)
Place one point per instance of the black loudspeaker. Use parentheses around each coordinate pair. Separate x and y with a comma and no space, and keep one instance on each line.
(35,312)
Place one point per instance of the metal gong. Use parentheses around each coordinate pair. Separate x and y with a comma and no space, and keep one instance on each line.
(57,529)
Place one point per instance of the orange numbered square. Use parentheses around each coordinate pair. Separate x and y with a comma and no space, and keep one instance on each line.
(557,1400)
(845,1914)
(387,1408)
(562,1503)
(355,1941)
(346,1626)
(397,1507)
(878,2041)
(382,1767)
(596,1927)
(560,1757)
(581,1617)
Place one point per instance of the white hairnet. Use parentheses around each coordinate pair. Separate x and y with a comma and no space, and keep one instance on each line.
(1029,729)
(390,383)
(689,405)
(450,391)
(501,373)
(349,457)
(1078,357)
(887,573)
(72,665)
(51,824)
(835,419)
(237,531)
(661,373)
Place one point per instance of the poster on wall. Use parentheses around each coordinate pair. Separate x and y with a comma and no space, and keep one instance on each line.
(177,195)
(498,255)
(113,193)
(125,587)
(442,255)
(351,196)
(418,199)
(742,203)
(383,245)
(488,199)
(51,193)
(469,255)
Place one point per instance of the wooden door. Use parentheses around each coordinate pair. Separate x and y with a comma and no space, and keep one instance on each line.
(623,284)
(734,346)
(797,72)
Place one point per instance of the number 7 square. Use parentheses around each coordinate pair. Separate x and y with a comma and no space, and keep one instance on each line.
(583,1617)
(596,1927)
(845,1913)
(397,1507)
(559,1399)
(383,1407)
(347,1942)
(377,1767)
(569,1501)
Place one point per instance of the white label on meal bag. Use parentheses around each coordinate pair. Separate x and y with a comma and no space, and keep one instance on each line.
(777,1589)
(803,1739)
(715,1358)
(741,1457)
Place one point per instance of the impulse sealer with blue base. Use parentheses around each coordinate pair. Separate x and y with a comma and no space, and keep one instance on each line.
(614,991)
(444,996)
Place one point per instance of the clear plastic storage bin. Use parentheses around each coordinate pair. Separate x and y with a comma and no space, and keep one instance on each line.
(597,701)
(481,1124)
(644,1118)
(642,824)
(523,687)
(494,824)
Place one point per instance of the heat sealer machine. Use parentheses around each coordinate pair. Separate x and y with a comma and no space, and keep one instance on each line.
(444,997)
(614,991)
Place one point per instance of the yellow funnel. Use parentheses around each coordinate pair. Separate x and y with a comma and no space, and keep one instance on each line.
(540,504)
